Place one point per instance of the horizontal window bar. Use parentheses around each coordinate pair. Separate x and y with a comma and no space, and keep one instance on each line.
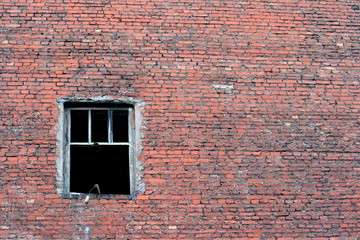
(100,143)
(99,108)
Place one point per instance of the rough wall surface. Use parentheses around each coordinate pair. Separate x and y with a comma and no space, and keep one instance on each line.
(250,122)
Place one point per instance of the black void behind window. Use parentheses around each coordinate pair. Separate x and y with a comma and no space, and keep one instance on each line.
(120,126)
(99,125)
(99,150)
(79,126)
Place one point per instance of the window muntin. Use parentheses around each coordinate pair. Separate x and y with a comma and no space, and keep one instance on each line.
(99,125)
(99,150)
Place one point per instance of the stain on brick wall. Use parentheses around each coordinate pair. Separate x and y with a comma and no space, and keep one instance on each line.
(250,128)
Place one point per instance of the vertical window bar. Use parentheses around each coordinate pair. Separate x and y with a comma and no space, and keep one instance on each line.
(67,152)
(133,124)
(131,151)
(110,127)
(68,116)
(89,129)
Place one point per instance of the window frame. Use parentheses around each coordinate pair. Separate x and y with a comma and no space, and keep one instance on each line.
(68,143)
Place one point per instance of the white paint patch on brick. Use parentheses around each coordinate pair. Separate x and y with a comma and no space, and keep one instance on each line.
(223,87)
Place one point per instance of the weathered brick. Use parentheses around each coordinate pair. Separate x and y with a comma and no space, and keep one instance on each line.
(250,126)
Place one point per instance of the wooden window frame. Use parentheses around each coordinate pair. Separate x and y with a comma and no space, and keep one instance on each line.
(68,143)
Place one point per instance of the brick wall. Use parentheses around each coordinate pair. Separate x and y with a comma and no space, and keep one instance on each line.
(250,120)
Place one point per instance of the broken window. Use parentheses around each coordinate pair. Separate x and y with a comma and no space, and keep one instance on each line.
(99,148)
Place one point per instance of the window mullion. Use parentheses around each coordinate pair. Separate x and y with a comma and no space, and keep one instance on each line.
(67,153)
(89,130)
(110,126)
(131,138)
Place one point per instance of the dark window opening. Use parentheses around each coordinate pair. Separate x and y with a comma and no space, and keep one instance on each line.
(107,166)
(79,126)
(120,126)
(99,149)
(99,126)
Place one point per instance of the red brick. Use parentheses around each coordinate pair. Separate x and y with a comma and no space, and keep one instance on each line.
(250,126)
